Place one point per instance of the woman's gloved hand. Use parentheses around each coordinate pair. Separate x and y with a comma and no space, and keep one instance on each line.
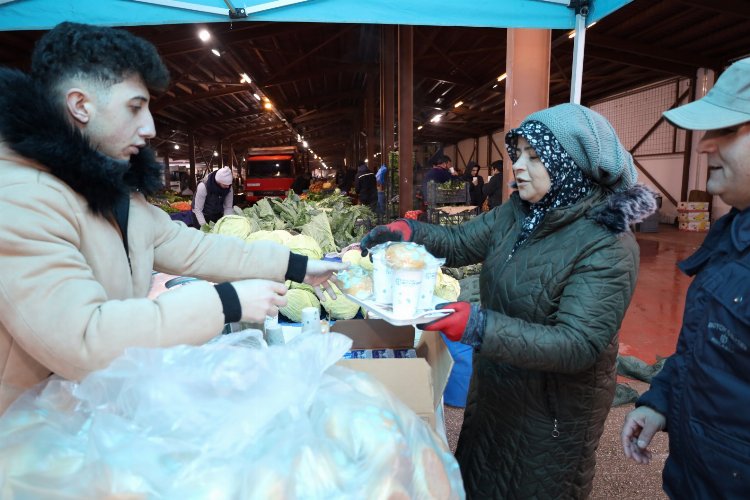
(398,230)
(466,324)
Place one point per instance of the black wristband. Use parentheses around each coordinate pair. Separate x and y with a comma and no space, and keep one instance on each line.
(230,302)
(297,267)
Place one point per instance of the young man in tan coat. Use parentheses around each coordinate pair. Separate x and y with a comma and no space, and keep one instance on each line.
(78,240)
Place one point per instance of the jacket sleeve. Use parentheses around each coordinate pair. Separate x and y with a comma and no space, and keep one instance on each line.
(181,250)
(463,244)
(199,200)
(591,308)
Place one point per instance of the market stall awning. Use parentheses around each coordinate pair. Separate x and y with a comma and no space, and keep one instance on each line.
(552,14)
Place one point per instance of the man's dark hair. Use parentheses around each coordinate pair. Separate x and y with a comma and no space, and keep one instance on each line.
(497,165)
(105,54)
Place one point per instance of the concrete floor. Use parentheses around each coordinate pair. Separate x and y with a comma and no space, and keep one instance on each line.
(650,328)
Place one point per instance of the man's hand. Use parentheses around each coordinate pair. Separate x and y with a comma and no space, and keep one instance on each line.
(398,230)
(260,298)
(318,274)
(639,428)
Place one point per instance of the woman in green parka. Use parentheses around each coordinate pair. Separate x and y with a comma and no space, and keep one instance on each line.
(559,269)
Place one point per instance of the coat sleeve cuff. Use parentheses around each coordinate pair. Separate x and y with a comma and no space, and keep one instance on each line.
(297,267)
(474,333)
(230,302)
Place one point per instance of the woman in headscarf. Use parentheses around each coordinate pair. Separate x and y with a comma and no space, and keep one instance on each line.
(559,269)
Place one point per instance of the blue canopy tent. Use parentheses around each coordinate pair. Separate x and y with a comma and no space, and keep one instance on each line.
(548,14)
(553,14)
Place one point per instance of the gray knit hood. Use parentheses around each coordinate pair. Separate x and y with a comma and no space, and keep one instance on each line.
(592,143)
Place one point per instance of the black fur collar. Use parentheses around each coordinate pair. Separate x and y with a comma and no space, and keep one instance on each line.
(33,127)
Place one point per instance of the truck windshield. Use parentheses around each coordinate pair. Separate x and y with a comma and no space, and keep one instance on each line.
(268,166)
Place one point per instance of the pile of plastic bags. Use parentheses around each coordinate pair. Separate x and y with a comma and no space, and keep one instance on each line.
(223,421)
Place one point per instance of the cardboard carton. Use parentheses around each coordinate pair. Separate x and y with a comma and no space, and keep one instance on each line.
(686,206)
(693,216)
(419,382)
(699,226)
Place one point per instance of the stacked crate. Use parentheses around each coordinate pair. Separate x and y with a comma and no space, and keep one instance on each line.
(693,216)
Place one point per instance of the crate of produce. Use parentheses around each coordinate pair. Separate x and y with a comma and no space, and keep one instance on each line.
(697,226)
(447,193)
(451,215)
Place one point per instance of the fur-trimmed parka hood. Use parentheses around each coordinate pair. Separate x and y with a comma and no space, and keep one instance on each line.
(37,130)
(624,208)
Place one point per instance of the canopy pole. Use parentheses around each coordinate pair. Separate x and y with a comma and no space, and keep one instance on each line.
(579,42)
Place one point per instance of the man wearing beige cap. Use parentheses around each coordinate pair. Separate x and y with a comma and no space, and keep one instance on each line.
(701,395)
(214,196)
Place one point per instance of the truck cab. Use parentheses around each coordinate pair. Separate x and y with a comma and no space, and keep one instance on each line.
(270,171)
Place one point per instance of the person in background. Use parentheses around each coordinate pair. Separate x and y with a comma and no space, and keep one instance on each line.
(366,187)
(476,183)
(380,179)
(493,189)
(214,197)
(78,238)
(700,396)
(559,266)
(301,182)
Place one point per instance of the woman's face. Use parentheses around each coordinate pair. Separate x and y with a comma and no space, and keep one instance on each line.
(475,171)
(531,176)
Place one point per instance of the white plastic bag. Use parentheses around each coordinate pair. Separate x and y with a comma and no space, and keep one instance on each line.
(222,421)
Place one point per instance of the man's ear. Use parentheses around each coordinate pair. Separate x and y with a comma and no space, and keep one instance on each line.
(79,106)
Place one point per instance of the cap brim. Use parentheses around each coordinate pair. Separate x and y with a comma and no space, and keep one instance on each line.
(702,115)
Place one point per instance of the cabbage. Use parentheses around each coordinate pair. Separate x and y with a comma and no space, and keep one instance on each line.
(302,286)
(342,307)
(447,287)
(306,245)
(233,225)
(298,299)
(354,257)
(278,236)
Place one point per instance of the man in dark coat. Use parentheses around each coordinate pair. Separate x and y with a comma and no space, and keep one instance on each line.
(700,396)
(493,189)
(366,187)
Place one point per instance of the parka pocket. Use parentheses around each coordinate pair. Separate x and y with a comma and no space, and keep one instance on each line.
(726,344)
(721,461)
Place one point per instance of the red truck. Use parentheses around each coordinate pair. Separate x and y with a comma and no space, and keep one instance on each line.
(270,171)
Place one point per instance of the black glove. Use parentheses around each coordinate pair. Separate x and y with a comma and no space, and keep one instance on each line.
(398,230)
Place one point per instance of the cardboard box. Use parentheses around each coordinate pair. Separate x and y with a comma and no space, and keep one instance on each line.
(692,205)
(700,226)
(419,382)
(693,216)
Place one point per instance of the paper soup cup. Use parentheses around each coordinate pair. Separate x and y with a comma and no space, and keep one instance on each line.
(382,279)
(407,285)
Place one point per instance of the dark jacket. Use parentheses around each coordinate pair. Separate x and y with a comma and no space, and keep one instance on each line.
(704,388)
(476,194)
(547,361)
(213,207)
(366,187)
(493,190)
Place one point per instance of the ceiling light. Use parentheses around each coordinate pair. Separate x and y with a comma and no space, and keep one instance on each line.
(494,86)
(419,128)
(177,146)
(436,118)
(304,144)
(216,153)
(244,78)
(216,52)
(204,35)
(256,96)
(458,104)
(502,77)
(268,105)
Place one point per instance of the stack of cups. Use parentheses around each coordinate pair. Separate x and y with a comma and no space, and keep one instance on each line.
(382,277)
(311,320)
(429,279)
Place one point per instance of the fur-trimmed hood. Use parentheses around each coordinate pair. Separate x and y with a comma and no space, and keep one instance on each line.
(624,208)
(33,127)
